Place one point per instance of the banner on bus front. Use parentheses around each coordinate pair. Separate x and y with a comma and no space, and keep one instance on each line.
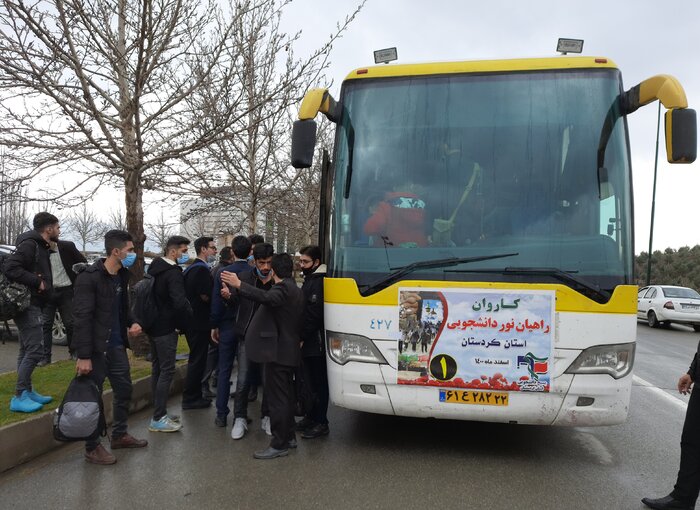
(476,338)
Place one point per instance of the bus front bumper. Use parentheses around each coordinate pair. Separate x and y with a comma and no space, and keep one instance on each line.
(575,400)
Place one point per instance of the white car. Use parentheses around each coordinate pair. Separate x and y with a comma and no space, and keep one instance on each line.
(664,304)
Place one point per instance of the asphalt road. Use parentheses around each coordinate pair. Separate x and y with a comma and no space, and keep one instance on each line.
(372,461)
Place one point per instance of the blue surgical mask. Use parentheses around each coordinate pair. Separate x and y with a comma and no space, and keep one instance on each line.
(211,259)
(250,259)
(262,275)
(183,258)
(129,260)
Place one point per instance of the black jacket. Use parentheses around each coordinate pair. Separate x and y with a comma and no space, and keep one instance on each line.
(30,265)
(693,370)
(92,309)
(174,310)
(274,333)
(70,255)
(245,308)
(198,282)
(312,328)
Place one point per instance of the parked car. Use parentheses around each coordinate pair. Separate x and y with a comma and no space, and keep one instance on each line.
(666,304)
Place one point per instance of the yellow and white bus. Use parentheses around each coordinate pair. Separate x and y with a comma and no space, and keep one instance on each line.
(476,218)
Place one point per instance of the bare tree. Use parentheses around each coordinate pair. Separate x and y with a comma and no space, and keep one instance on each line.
(105,88)
(13,209)
(86,226)
(249,171)
(116,219)
(160,231)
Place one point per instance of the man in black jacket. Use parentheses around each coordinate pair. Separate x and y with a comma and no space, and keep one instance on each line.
(62,256)
(273,338)
(685,493)
(174,313)
(243,309)
(198,283)
(30,265)
(102,316)
(313,350)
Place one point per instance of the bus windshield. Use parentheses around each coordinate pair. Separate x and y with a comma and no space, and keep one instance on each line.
(475,165)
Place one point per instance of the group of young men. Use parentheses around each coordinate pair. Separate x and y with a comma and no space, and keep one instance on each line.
(248,311)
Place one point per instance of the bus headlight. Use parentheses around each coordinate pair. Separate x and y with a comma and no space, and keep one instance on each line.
(343,347)
(615,360)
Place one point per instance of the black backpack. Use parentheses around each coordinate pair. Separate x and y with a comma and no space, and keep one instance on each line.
(81,416)
(14,297)
(144,307)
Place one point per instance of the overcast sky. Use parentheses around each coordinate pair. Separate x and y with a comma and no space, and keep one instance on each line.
(643,38)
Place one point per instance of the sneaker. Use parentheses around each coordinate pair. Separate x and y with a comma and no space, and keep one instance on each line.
(165,424)
(318,430)
(175,417)
(220,421)
(41,399)
(265,425)
(24,404)
(240,427)
(100,456)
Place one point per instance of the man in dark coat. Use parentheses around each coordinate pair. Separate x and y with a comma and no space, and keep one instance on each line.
(313,349)
(29,265)
(685,493)
(198,285)
(274,338)
(174,314)
(62,255)
(103,323)
(244,310)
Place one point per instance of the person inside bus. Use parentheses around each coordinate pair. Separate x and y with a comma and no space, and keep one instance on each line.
(399,220)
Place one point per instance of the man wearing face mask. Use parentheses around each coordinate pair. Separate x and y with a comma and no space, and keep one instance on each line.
(198,283)
(249,372)
(30,265)
(103,324)
(313,349)
(174,314)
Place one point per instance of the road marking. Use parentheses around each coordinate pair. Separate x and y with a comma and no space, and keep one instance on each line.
(661,393)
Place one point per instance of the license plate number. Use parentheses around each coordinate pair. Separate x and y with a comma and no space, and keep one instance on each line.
(483,398)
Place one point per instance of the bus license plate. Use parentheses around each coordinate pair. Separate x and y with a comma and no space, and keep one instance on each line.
(484,398)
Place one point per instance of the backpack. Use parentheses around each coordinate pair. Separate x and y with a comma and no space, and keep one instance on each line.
(145,307)
(14,297)
(81,416)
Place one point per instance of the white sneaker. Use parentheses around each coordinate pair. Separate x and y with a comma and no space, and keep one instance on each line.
(265,425)
(240,427)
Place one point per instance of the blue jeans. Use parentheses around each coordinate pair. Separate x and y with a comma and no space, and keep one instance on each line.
(228,347)
(31,350)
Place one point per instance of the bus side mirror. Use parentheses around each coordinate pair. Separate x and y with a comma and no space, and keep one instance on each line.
(303,143)
(681,135)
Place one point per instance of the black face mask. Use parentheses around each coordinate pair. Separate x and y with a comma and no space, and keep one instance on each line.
(306,271)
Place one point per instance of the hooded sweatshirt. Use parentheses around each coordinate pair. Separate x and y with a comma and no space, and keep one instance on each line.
(174,310)
(30,265)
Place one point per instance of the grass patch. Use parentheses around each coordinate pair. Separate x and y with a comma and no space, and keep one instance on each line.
(53,380)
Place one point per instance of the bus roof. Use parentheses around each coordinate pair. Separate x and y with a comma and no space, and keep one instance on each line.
(480,66)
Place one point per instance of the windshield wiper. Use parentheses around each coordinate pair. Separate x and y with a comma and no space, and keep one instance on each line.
(592,291)
(399,272)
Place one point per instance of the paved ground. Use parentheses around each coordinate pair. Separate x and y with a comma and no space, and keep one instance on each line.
(372,461)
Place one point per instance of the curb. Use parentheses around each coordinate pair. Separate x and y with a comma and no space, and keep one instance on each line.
(23,441)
